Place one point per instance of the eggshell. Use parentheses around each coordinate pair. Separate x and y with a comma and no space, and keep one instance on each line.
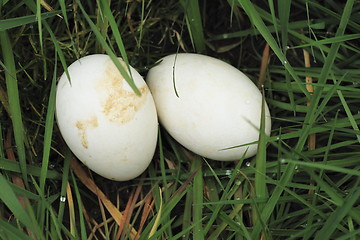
(111,129)
(217,106)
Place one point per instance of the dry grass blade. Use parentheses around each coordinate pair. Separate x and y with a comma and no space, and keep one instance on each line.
(310,88)
(158,217)
(90,184)
(3,98)
(264,63)
(148,207)
(71,209)
(11,155)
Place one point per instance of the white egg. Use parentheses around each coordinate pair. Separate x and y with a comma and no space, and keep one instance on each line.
(214,107)
(111,129)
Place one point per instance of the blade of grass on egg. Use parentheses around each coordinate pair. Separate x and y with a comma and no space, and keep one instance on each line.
(108,50)
(14,102)
(115,30)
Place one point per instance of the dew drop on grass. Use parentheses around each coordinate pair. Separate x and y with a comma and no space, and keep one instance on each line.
(248,164)
(238,182)
(228,172)
(284,62)
(282,160)
(62,199)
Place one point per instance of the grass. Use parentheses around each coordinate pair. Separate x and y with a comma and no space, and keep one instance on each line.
(304,182)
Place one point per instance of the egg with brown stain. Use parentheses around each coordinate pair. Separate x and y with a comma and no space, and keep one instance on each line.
(208,106)
(107,126)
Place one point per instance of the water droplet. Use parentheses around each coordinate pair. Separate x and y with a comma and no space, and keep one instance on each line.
(287,47)
(248,164)
(282,160)
(277,138)
(62,199)
(284,62)
(51,166)
(296,167)
(238,182)
(228,172)
(192,20)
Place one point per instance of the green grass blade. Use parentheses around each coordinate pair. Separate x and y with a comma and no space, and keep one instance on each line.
(60,53)
(198,198)
(80,209)
(338,39)
(115,30)
(21,21)
(14,101)
(260,174)
(108,50)
(337,216)
(325,166)
(39,21)
(64,183)
(49,124)
(264,31)
(12,166)
(63,11)
(8,197)
(310,118)
(9,231)
(194,23)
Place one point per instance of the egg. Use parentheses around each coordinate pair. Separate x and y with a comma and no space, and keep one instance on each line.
(107,126)
(208,106)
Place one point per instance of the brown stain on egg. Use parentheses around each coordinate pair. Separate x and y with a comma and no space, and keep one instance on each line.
(119,105)
(83,126)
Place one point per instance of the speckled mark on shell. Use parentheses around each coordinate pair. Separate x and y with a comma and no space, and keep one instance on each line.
(119,105)
(83,126)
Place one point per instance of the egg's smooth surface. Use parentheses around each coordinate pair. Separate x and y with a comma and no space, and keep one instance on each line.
(214,107)
(111,129)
